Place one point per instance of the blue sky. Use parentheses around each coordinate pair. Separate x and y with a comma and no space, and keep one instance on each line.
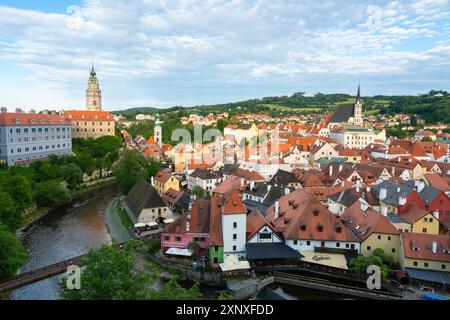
(161,53)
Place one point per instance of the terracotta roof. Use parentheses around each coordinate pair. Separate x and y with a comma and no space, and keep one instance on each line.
(255,221)
(30,119)
(411,213)
(436,181)
(420,245)
(234,204)
(228,185)
(215,222)
(88,115)
(365,222)
(171,196)
(199,222)
(322,193)
(248,175)
(163,176)
(302,216)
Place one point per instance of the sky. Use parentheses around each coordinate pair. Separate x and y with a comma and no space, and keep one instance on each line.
(161,53)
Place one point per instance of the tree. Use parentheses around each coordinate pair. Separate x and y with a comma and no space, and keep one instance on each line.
(72,174)
(109,275)
(9,214)
(173,291)
(131,166)
(18,187)
(155,166)
(199,192)
(427,139)
(12,252)
(50,194)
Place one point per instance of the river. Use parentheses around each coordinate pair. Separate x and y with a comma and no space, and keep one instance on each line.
(65,233)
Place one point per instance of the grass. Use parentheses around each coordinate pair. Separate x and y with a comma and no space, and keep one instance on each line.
(369,112)
(287,108)
(124,217)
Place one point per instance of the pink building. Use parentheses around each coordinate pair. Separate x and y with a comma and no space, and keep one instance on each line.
(193,226)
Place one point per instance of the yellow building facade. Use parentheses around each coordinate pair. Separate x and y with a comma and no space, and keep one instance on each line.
(390,243)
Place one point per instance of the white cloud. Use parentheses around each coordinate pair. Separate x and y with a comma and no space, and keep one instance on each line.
(180,42)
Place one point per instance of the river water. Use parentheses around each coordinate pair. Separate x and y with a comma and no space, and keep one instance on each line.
(64,234)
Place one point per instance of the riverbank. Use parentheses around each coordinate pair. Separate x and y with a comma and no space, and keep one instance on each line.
(38,214)
(116,229)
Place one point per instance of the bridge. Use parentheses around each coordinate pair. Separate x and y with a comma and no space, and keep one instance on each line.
(326,285)
(43,273)
(39,274)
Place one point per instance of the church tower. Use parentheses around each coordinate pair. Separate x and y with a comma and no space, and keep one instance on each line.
(158,132)
(357,109)
(93,93)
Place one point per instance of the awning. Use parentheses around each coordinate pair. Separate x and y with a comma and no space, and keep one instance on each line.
(151,224)
(334,260)
(167,221)
(179,252)
(435,276)
(264,251)
(139,225)
(231,262)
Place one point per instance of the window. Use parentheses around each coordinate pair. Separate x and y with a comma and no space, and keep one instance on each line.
(338,245)
(234,236)
(393,250)
(379,237)
(389,238)
(178,239)
(368,248)
(216,248)
(234,248)
(425,264)
(424,230)
(308,243)
(443,267)
(234,225)
(295,242)
(265,236)
(167,238)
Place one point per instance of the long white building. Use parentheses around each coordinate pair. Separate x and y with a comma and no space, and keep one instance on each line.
(27,137)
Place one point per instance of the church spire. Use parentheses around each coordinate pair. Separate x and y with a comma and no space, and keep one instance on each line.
(358,94)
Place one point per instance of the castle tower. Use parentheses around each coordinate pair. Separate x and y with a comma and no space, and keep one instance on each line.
(93,93)
(158,132)
(357,109)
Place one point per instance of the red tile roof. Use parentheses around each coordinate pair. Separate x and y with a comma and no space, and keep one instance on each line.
(30,119)
(368,221)
(234,204)
(163,176)
(424,244)
(88,115)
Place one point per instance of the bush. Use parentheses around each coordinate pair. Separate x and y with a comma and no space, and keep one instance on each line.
(50,194)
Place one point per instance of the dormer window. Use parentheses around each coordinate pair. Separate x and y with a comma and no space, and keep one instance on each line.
(303,227)
(319,227)
(42,121)
(339,229)
(316,212)
(17,121)
(32,121)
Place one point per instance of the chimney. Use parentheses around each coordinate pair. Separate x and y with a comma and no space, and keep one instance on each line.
(364,206)
(252,185)
(331,171)
(383,193)
(401,201)
(342,183)
(269,186)
(434,247)
(436,214)
(420,186)
(277,209)
(287,191)
(153,181)
(242,182)
(384,211)
(340,167)
(358,186)
(368,188)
